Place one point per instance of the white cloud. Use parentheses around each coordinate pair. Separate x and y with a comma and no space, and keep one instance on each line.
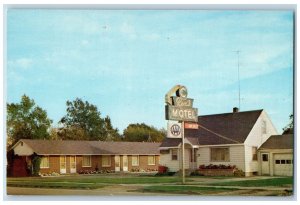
(23,63)
(128,30)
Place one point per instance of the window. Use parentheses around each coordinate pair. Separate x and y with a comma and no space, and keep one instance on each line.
(151,160)
(277,161)
(288,161)
(44,162)
(265,157)
(106,161)
(264,127)
(219,154)
(135,160)
(86,161)
(254,153)
(174,153)
(164,151)
(282,161)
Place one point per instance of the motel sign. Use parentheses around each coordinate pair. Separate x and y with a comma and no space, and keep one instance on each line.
(179,107)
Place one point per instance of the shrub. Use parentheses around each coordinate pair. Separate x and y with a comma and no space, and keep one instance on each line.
(36,162)
(220,166)
(162,169)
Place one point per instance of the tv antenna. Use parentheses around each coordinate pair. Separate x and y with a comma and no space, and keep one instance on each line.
(238,65)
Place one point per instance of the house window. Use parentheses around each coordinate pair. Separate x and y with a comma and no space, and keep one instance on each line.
(288,161)
(282,161)
(219,154)
(106,161)
(86,161)
(135,160)
(254,153)
(277,161)
(264,127)
(265,157)
(174,153)
(44,162)
(151,160)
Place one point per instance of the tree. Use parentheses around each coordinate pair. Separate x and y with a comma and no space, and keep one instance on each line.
(112,134)
(289,129)
(83,122)
(26,120)
(142,132)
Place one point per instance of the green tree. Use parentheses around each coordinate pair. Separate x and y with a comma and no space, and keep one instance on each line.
(83,122)
(26,120)
(289,129)
(142,132)
(112,134)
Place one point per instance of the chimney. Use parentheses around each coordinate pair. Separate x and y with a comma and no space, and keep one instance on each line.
(235,110)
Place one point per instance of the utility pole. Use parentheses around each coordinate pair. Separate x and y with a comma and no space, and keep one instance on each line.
(182,149)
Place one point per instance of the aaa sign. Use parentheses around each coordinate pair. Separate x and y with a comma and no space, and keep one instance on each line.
(181,113)
(174,130)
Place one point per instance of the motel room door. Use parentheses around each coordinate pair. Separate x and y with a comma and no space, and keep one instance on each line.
(63,163)
(125,163)
(117,163)
(72,164)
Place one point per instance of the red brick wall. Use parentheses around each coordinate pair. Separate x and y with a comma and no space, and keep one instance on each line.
(96,161)
(143,163)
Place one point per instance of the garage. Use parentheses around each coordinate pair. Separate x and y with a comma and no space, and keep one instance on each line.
(283,164)
(277,156)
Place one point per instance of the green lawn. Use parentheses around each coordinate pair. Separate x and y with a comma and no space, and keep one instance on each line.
(63,185)
(285,181)
(95,180)
(186,189)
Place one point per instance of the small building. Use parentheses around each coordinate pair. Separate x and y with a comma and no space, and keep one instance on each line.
(67,157)
(226,139)
(276,156)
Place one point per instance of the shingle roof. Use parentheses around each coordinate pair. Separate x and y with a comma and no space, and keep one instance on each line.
(279,142)
(91,147)
(227,128)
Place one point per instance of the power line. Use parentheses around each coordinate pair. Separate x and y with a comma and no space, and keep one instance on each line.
(219,135)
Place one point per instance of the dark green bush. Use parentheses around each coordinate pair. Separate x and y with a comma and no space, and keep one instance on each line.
(36,162)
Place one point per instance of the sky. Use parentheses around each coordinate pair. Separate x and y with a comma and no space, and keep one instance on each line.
(125,61)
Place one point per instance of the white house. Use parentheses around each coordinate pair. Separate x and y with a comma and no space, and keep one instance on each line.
(228,139)
(276,156)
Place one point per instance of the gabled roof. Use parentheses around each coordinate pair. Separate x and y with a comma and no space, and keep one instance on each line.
(69,147)
(279,142)
(227,128)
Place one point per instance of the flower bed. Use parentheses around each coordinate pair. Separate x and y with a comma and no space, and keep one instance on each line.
(217,170)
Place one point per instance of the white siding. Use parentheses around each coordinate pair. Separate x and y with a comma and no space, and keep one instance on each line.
(236,156)
(22,150)
(166,160)
(255,139)
(175,165)
(250,164)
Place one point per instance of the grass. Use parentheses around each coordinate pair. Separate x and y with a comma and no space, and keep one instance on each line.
(278,182)
(186,189)
(61,185)
(96,180)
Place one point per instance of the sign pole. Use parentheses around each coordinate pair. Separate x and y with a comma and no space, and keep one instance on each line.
(182,165)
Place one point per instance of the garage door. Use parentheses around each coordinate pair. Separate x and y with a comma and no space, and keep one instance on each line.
(283,164)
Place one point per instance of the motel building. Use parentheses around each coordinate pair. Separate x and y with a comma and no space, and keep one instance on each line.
(71,157)
(247,140)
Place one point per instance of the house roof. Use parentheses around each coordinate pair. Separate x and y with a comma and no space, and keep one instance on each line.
(66,147)
(279,142)
(227,128)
